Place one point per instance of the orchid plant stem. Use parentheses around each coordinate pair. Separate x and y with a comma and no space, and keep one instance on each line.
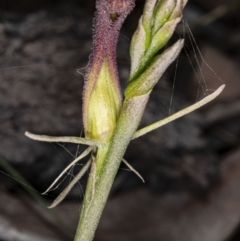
(100,181)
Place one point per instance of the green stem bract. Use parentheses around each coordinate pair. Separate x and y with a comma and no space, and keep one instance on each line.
(101,176)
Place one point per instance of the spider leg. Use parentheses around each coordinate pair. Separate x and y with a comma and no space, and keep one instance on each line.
(179,114)
(85,153)
(67,189)
(132,169)
(69,139)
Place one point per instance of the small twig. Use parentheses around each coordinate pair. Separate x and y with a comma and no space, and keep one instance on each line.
(133,170)
(67,189)
(69,139)
(85,153)
(179,114)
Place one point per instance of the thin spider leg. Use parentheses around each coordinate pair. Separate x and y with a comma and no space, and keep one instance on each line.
(69,139)
(67,189)
(179,114)
(85,153)
(132,169)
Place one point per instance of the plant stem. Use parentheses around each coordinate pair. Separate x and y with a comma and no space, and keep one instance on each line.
(101,177)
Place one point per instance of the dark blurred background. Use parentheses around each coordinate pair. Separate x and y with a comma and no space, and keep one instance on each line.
(191,166)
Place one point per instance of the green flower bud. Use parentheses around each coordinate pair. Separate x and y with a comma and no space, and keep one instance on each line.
(155,28)
(163,11)
(147,18)
(148,79)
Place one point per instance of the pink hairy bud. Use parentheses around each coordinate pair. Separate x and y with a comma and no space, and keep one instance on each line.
(102,95)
